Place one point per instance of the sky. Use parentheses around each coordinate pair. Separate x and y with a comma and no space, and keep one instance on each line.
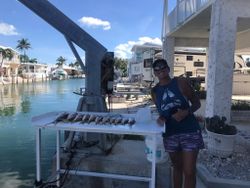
(116,24)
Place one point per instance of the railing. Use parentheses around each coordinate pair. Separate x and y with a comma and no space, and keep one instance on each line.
(183,10)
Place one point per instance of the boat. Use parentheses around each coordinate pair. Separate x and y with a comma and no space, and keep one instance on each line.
(59,74)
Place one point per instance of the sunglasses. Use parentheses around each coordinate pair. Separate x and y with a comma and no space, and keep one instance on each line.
(159,68)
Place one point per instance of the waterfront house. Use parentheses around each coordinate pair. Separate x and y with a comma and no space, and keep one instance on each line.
(10,66)
(33,71)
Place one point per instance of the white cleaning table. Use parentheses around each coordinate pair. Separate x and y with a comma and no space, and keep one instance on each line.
(45,121)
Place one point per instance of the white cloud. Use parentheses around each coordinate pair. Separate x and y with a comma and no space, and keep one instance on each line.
(124,50)
(7,29)
(142,40)
(95,22)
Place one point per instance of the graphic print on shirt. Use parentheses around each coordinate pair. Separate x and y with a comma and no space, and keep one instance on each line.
(169,102)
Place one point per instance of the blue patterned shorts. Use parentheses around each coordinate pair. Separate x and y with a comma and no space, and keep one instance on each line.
(184,142)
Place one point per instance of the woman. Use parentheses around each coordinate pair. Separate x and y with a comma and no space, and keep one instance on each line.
(176,102)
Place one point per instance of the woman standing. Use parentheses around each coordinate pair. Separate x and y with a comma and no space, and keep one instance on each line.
(176,102)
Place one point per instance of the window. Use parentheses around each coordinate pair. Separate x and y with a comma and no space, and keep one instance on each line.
(198,64)
(32,68)
(189,58)
(148,63)
(189,73)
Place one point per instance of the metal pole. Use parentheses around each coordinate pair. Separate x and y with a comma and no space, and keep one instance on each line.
(38,155)
(58,135)
(153,162)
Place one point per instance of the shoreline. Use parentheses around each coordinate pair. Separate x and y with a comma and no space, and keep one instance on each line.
(21,80)
(18,79)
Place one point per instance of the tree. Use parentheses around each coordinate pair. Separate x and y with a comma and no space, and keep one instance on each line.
(5,54)
(76,64)
(60,61)
(71,65)
(33,60)
(121,64)
(24,58)
(22,46)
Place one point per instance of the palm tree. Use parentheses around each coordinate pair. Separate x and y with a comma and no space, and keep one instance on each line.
(71,64)
(60,61)
(5,54)
(76,64)
(33,60)
(23,45)
(24,58)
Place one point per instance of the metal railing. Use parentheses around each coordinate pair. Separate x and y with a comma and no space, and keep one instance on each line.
(183,10)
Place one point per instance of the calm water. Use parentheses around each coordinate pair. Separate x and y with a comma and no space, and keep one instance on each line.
(18,104)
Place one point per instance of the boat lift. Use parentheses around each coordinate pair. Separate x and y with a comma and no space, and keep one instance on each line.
(98,62)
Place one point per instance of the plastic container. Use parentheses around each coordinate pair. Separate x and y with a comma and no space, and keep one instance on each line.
(161,155)
(143,115)
(220,145)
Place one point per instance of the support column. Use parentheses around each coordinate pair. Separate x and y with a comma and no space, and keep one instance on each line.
(206,68)
(220,60)
(168,53)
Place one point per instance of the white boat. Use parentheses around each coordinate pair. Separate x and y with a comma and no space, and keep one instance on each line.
(59,74)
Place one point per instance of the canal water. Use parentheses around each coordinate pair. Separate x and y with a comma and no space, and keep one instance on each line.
(18,104)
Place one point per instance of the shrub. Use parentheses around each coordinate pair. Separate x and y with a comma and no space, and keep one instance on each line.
(240,105)
(218,125)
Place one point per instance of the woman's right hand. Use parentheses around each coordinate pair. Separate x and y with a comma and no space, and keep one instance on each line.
(160,120)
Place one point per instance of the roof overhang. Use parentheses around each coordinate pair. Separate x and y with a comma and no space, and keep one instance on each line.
(198,27)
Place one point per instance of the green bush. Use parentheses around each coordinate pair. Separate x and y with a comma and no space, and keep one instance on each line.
(240,105)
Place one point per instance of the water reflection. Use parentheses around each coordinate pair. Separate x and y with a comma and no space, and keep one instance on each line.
(25,105)
(18,104)
(8,111)
(12,179)
(15,98)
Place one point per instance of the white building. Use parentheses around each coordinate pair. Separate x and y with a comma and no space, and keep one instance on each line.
(33,70)
(10,66)
(139,68)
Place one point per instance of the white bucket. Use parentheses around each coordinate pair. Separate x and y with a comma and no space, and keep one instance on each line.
(221,145)
(161,155)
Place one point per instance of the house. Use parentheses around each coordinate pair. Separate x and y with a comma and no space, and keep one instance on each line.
(10,66)
(33,70)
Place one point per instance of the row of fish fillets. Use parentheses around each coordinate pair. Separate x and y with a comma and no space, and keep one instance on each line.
(97,119)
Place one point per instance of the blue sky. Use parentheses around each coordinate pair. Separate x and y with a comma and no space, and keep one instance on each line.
(116,24)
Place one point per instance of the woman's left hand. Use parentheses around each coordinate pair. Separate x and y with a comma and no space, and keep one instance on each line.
(160,120)
(180,114)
